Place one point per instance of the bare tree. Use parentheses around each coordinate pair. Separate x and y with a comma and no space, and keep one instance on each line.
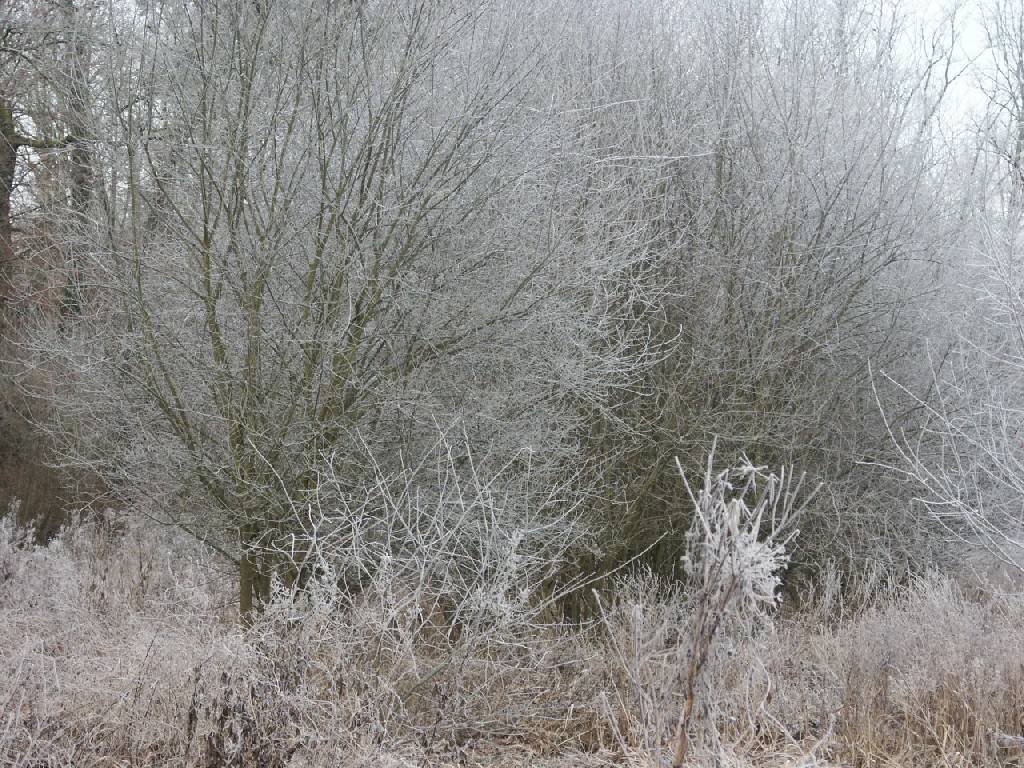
(966,465)
(787,207)
(1002,81)
(334,235)
(583,240)
(44,116)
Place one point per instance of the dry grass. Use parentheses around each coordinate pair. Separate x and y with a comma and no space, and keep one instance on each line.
(121,649)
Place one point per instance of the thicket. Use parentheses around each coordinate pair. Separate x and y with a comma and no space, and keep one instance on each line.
(421,318)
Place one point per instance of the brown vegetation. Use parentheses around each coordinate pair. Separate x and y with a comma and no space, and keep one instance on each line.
(119,649)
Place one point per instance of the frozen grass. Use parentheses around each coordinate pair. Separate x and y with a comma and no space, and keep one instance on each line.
(119,649)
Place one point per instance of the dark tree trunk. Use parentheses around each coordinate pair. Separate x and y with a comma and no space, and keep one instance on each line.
(8,163)
(10,141)
(77,116)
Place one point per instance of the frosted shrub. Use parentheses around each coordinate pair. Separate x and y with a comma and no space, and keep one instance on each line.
(736,549)
(415,599)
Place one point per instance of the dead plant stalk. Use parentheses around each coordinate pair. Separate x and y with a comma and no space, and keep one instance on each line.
(735,566)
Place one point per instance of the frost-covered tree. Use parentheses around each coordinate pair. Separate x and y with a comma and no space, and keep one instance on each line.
(967,465)
(790,214)
(330,242)
(335,235)
(45,153)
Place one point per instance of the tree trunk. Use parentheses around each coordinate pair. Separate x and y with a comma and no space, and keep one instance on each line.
(10,141)
(81,157)
(247,577)
(8,163)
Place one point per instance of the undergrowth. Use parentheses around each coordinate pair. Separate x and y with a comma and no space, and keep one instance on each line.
(121,647)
